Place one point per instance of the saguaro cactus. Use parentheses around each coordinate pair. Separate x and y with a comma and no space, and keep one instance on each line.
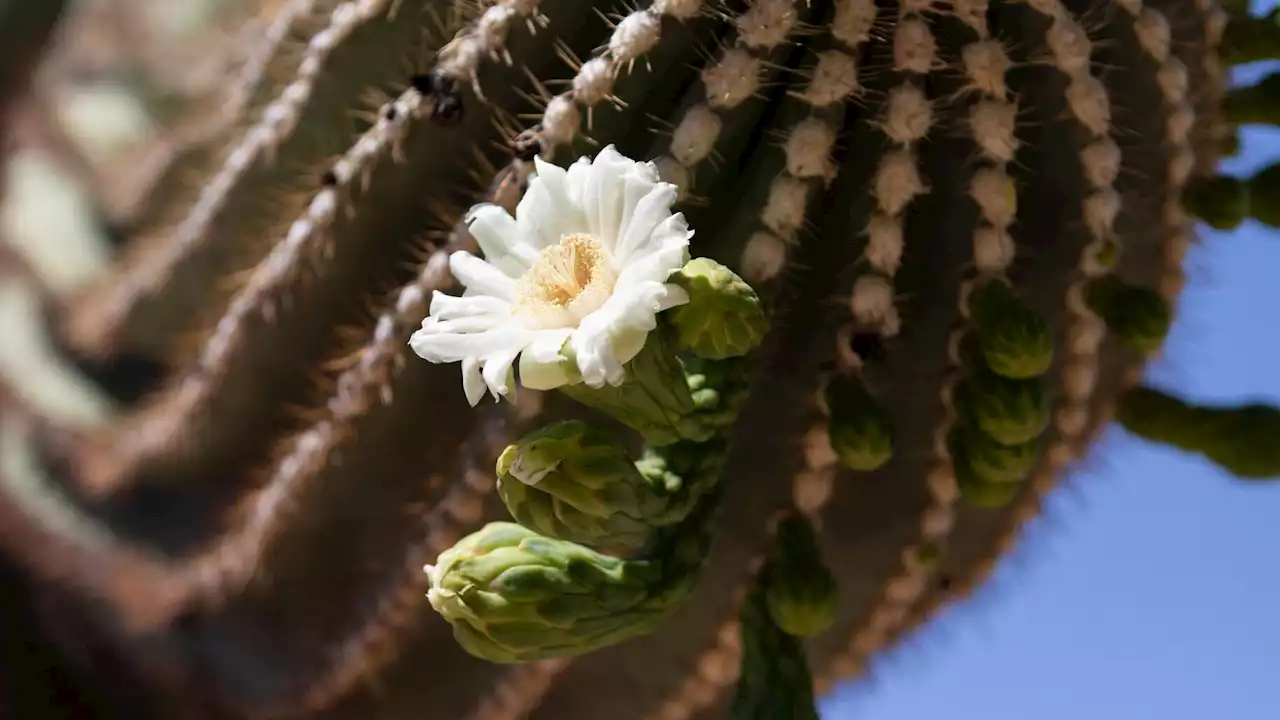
(933,244)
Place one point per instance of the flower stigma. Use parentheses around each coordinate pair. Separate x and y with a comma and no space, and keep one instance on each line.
(567,282)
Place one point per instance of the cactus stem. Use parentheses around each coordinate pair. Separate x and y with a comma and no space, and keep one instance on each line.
(735,77)
(252,316)
(102,318)
(158,189)
(1151,28)
(907,119)
(991,117)
(809,147)
(376,638)
(633,36)
(61,544)
(487,38)
(1079,380)
(812,487)
(235,558)
(716,668)
(1209,104)
(1100,160)
(519,691)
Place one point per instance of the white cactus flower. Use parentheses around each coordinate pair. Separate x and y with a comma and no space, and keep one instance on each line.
(582,266)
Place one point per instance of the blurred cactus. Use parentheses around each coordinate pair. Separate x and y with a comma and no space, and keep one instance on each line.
(931,257)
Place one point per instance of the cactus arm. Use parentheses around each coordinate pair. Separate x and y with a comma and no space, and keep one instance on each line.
(1239,439)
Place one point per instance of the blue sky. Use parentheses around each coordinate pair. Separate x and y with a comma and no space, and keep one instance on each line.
(1150,590)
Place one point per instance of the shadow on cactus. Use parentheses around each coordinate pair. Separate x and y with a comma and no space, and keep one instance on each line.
(936,243)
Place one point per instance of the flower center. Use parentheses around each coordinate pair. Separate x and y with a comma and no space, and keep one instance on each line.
(567,282)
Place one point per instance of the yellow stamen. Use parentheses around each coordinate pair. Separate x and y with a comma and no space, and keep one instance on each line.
(566,282)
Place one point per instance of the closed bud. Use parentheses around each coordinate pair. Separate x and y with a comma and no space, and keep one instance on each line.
(799,588)
(1011,412)
(723,317)
(859,429)
(1015,339)
(1138,317)
(513,596)
(984,493)
(989,460)
(574,482)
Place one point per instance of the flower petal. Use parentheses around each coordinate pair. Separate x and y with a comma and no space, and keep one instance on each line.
(603,196)
(452,347)
(472,382)
(577,178)
(611,336)
(469,325)
(658,262)
(481,277)
(640,180)
(449,307)
(497,371)
(649,214)
(499,238)
(675,296)
(546,213)
(542,367)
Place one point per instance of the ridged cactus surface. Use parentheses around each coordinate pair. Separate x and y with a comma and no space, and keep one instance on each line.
(962,224)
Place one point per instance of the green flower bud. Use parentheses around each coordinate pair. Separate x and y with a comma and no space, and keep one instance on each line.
(1136,316)
(723,317)
(718,388)
(799,588)
(859,429)
(514,596)
(989,460)
(1011,412)
(574,482)
(1015,340)
(986,494)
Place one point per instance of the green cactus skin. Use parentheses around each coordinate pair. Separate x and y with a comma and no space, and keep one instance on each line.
(1240,439)
(775,680)
(223,545)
